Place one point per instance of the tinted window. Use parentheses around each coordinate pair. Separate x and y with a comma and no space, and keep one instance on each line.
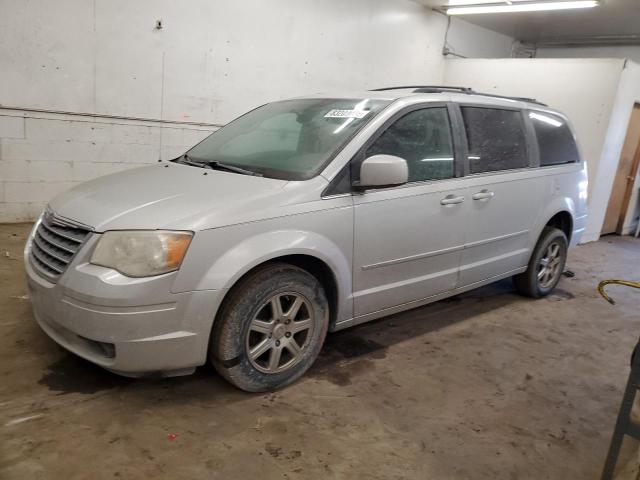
(555,140)
(423,139)
(496,139)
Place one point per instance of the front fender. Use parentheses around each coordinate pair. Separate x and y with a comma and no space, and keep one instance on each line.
(242,251)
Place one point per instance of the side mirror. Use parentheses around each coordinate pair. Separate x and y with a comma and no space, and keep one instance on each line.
(383,171)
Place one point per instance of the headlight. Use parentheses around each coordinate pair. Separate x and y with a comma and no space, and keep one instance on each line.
(140,253)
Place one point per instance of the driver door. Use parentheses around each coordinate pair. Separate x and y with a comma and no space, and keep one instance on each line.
(408,240)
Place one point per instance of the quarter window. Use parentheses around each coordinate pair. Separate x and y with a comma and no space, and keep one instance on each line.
(495,138)
(423,139)
(555,140)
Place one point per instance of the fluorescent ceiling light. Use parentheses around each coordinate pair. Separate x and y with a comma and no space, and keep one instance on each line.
(522,7)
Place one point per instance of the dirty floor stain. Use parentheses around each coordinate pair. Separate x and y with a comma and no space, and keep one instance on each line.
(485,385)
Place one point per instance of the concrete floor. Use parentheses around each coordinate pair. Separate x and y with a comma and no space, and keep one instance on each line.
(484,385)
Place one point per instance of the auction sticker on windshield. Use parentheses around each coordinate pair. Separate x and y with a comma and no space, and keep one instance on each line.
(346,113)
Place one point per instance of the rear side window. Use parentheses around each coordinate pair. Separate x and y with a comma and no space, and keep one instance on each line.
(555,140)
(423,139)
(496,139)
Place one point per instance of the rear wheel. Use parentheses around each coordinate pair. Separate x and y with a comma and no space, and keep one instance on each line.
(270,329)
(545,266)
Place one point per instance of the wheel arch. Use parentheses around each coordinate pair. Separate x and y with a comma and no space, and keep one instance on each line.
(562,220)
(559,213)
(313,265)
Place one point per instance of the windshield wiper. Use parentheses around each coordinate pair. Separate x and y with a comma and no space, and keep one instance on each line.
(187,161)
(232,168)
(214,164)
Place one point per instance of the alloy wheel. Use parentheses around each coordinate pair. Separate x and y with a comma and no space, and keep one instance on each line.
(549,265)
(280,332)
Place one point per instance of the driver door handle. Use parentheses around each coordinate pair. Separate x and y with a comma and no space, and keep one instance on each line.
(451,200)
(483,195)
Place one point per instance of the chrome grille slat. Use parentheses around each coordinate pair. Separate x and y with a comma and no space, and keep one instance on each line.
(41,255)
(43,267)
(49,251)
(51,229)
(47,237)
(54,244)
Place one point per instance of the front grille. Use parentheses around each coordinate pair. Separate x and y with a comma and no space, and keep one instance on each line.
(54,244)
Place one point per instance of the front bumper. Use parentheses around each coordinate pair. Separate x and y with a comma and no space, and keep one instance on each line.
(131,326)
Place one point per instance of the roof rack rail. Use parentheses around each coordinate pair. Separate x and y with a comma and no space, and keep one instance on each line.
(464,90)
(520,99)
(423,88)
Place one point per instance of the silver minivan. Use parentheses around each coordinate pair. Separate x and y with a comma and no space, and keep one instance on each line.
(305,216)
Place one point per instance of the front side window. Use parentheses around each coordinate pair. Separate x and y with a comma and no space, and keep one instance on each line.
(423,139)
(555,140)
(496,139)
(290,140)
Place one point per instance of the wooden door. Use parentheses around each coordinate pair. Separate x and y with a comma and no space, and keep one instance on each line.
(625,176)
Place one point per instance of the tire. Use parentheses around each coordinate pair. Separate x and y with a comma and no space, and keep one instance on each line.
(528,283)
(250,321)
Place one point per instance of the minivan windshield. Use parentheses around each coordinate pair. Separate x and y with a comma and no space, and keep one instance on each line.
(289,140)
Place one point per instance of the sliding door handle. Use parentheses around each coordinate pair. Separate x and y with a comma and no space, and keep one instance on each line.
(483,195)
(451,200)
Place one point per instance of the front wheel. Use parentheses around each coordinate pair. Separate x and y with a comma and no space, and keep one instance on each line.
(270,329)
(545,266)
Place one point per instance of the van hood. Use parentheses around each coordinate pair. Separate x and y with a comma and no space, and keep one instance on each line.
(164,196)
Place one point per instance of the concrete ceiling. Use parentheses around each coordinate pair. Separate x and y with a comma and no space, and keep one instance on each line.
(613,17)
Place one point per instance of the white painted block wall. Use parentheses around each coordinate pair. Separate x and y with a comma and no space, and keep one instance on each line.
(211,61)
(43,154)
